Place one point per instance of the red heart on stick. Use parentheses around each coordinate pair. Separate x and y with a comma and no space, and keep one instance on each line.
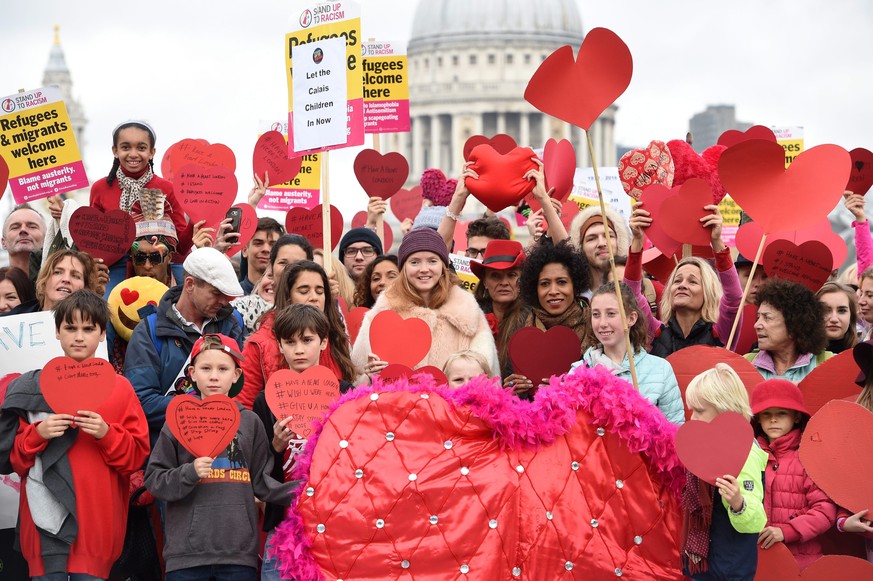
(204,427)
(206,193)
(270,156)
(538,354)
(776,564)
(559,165)
(653,198)
(248,225)
(4,176)
(354,320)
(406,203)
(831,567)
(501,180)
(784,199)
(833,379)
(201,152)
(712,449)
(398,340)
(860,179)
(579,90)
(680,213)
(103,235)
(809,264)
(749,236)
(502,143)
(640,168)
(308,223)
(69,386)
(733,136)
(381,175)
(304,396)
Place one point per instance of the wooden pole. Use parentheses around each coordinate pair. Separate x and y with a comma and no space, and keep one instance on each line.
(746,292)
(380,222)
(325,211)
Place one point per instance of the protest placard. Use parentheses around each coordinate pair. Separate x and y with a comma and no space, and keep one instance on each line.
(386,87)
(461,264)
(319,95)
(301,191)
(584,191)
(791,140)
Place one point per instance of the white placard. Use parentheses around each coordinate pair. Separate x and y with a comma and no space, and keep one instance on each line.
(320,117)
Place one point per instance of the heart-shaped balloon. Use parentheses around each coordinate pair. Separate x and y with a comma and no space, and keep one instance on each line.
(749,235)
(809,264)
(538,354)
(833,379)
(398,340)
(733,136)
(436,188)
(381,175)
(653,200)
(205,193)
(308,223)
(270,156)
(354,320)
(502,143)
(713,449)
(204,427)
(501,180)
(680,213)
(69,386)
(304,396)
(406,203)
(559,166)
(689,164)
(102,235)
(640,168)
(860,179)
(579,90)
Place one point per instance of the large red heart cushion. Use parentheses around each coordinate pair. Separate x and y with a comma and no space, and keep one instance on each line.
(539,354)
(501,142)
(640,168)
(690,164)
(713,449)
(106,235)
(304,396)
(203,427)
(69,386)
(402,481)
(398,340)
(809,264)
(860,179)
(501,180)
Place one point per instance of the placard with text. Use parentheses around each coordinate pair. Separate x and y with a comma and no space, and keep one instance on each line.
(303,190)
(386,87)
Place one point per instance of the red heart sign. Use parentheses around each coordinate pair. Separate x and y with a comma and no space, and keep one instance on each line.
(102,235)
(831,567)
(860,179)
(308,223)
(205,193)
(69,386)
(359,219)
(689,164)
(354,320)
(733,136)
(776,564)
(833,379)
(809,264)
(406,203)
(501,180)
(538,354)
(579,90)
(202,153)
(167,162)
(749,235)
(248,225)
(395,372)
(381,175)
(397,340)
(746,334)
(559,165)
(502,143)
(4,176)
(712,449)
(204,427)
(653,199)
(304,396)
(784,199)
(271,157)
(640,168)
(680,213)
(436,188)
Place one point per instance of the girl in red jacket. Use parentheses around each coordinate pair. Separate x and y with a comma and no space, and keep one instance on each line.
(797,510)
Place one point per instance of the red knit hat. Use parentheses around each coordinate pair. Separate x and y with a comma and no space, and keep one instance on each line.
(777,393)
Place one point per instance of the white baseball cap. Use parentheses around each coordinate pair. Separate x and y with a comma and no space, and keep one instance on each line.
(213,267)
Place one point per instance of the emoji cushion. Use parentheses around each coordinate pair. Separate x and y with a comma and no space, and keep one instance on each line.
(128,297)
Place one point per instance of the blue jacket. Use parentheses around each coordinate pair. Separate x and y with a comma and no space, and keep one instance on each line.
(152,374)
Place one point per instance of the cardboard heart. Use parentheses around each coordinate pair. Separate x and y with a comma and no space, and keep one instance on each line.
(835,451)
(784,199)
(712,449)
(436,188)
(203,427)
(501,180)
(809,264)
(167,163)
(395,372)
(381,175)
(733,136)
(579,90)
(502,143)
(102,235)
(831,567)
(354,320)
(833,379)
(640,168)
(860,178)
(304,396)
(270,156)
(746,335)
(748,238)
(308,223)
(680,213)
(653,198)
(398,340)
(248,225)
(776,564)
(559,165)
(359,219)
(538,354)
(689,164)
(205,193)
(406,203)
(4,176)
(69,386)
(201,152)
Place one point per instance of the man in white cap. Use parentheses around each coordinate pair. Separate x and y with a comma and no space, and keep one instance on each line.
(161,344)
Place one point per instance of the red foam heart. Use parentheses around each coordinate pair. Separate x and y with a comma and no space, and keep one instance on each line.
(270,156)
(640,168)
(502,143)
(559,165)
(680,213)
(354,320)
(653,199)
(832,567)
(103,235)
(749,235)
(501,180)
(746,334)
(304,396)
(579,90)
(712,449)
(397,340)
(308,223)
(204,427)
(205,193)
(436,188)
(833,379)
(4,176)
(381,175)
(128,296)
(776,564)
(689,164)
(809,264)
(69,386)
(733,136)
(860,179)
(538,354)
(784,199)
(395,372)
(202,153)
(406,203)
(248,225)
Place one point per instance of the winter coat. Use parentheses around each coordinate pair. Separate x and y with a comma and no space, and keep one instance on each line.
(803,366)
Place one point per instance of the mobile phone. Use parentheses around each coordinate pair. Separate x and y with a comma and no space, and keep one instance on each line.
(235,215)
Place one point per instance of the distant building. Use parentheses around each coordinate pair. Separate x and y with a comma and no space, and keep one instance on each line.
(57,73)
(706,127)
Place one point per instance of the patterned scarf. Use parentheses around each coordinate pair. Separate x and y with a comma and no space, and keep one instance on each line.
(130,188)
(697,498)
(574,317)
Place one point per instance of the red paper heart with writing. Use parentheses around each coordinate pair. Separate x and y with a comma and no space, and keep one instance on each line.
(354,320)
(406,203)
(304,396)
(502,143)
(270,156)
(749,235)
(835,451)
(860,178)
(776,564)
(201,152)
(103,235)
(784,199)
(308,223)
(733,136)
(501,180)
(712,449)
(167,162)
(538,354)
(69,386)
(398,340)
(809,264)
(559,165)
(640,168)
(833,379)
(381,175)
(653,199)
(579,90)
(689,164)
(680,213)
(248,225)
(832,567)
(4,176)
(205,193)
(204,427)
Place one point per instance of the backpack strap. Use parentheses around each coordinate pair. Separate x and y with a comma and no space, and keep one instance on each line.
(151,321)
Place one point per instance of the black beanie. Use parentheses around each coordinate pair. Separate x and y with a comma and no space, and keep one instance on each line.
(359,235)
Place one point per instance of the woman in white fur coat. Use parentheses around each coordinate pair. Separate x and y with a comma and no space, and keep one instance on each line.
(426,289)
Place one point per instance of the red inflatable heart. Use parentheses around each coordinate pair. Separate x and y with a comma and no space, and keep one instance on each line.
(203,427)
(103,235)
(354,320)
(502,143)
(381,175)
(833,379)
(733,136)
(749,235)
(559,165)
(653,199)
(860,179)
(784,199)
(579,90)
(69,386)
(501,180)
(712,449)
(248,225)
(271,157)
(689,164)
(308,223)
(4,176)
(398,340)
(538,355)
(809,264)
(205,193)
(640,168)
(304,396)
(406,203)
(680,213)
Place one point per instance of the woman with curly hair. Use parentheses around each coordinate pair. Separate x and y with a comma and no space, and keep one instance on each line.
(791,331)
(841,315)
(375,279)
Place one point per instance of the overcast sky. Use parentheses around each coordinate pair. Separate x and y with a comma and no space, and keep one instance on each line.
(213,69)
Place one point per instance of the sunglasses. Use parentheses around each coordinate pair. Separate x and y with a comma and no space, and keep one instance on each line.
(139,258)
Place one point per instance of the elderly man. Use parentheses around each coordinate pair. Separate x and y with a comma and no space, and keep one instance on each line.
(23,233)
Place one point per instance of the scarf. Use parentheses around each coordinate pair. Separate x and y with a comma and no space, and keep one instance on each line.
(697,497)
(130,187)
(574,317)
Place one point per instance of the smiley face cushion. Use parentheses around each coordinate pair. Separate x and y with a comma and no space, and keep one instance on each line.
(128,297)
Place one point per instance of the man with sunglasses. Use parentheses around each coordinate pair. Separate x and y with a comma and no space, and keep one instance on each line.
(152,250)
